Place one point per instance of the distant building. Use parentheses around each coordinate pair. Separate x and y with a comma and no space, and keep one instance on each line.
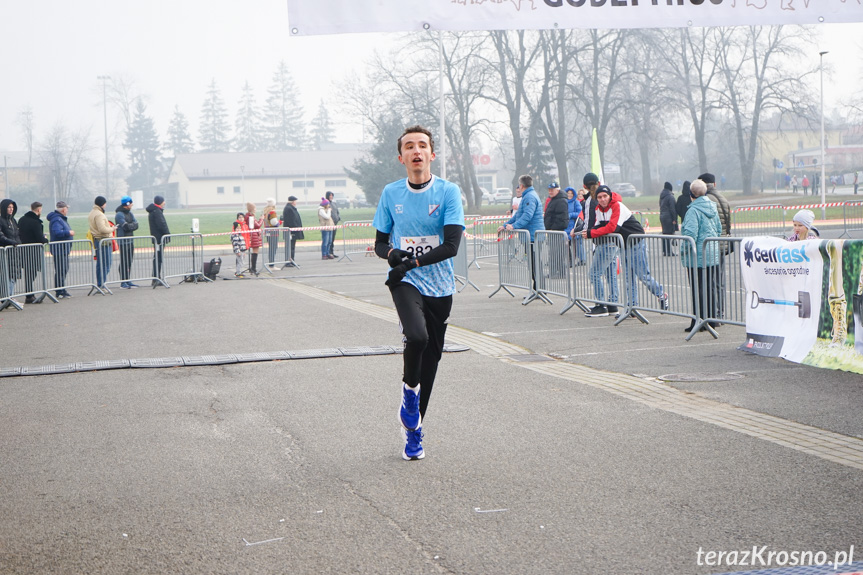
(231,179)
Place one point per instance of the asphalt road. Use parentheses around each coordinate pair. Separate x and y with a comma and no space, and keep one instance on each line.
(294,466)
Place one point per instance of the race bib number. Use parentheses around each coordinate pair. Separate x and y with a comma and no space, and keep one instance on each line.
(419,245)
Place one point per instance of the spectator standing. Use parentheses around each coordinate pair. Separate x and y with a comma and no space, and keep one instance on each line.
(291,219)
(271,222)
(855,182)
(9,236)
(806,185)
(683,201)
(556,219)
(702,221)
(336,219)
(101,228)
(575,223)
(60,232)
(724,210)
(32,233)
(255,241)
(667,217)
(419,223)
(158,229)
(528,216)
(794,183)
(325,219)
(239,242)
(126,224)
(516,201)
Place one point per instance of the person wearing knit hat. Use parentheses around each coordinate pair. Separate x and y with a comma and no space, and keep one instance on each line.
(291,219)
(804,226)
(158,229)
(271,220)
(325,218)
(255,240)
(126,224)
(667,217)
(337,217)
(101,228)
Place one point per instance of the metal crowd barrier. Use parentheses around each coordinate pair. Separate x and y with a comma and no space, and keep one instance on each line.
(25,274)
(515,264)
(180,255)
(648,275)
(132,262)
(852,217)
(758,220)
(358,237)
(551,264)
(460,266)
(484,237)
(602,266)
(73,265)
(274,238)
(722,291)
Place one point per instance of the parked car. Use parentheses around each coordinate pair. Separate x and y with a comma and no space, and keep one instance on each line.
(625,189)
(360,201)
(341,200)
(486,196)
(501,196)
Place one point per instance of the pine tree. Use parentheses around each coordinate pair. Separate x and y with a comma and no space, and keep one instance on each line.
(247,126)
(142,142)
(540,158)
(179,139)
(380,166)
(322,130)
(283,115)
(213,133)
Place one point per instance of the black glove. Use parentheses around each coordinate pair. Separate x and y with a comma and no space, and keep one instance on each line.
(398,273)
(397,257)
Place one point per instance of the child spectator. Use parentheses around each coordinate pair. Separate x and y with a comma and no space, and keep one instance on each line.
(240,241)
(804,228)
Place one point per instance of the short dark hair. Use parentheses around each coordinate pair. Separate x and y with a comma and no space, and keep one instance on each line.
(416,130)
(526,181)
(35,205)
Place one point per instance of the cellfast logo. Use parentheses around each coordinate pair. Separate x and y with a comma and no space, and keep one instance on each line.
(776,255)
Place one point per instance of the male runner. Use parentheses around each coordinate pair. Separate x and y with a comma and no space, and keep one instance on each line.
(419,223)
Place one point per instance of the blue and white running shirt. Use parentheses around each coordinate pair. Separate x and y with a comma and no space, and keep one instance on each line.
(415,220)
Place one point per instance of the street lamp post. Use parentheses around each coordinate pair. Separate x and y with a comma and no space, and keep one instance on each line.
(243,184)
(823,183)
(105,111)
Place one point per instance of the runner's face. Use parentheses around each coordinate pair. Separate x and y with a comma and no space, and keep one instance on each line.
(416,153)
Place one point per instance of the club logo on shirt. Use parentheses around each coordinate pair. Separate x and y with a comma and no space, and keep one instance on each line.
(433,208)
(399,209)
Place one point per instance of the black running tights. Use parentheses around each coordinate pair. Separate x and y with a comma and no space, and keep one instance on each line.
(423,322)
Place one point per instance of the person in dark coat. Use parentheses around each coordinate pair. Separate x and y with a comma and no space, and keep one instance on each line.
(683,201)
(60,233)
(126,225)
(9,236)
(556,218)
(32,234)
(291,219)
(667,217)
(158,229)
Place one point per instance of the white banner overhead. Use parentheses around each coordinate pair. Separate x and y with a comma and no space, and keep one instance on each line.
(309,17)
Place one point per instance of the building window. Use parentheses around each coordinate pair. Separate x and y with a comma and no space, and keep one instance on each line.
(304,183)
(237,189)
(486,182)
(335,183)
(220,190)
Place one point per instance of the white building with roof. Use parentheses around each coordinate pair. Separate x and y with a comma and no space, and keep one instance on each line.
(233,178)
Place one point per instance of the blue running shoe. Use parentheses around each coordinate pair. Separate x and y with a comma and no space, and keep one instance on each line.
(410,409)
(413,444)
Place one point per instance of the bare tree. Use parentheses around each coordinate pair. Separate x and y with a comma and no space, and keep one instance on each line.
(750,61)
(66,153)
(25,122)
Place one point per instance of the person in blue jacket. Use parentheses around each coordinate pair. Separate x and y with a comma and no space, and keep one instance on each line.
(60,231)
(529,214)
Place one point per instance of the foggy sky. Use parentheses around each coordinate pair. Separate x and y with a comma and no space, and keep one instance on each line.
(54,50)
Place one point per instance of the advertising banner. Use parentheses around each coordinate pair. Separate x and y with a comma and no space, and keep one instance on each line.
(804,301)
(307,17)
